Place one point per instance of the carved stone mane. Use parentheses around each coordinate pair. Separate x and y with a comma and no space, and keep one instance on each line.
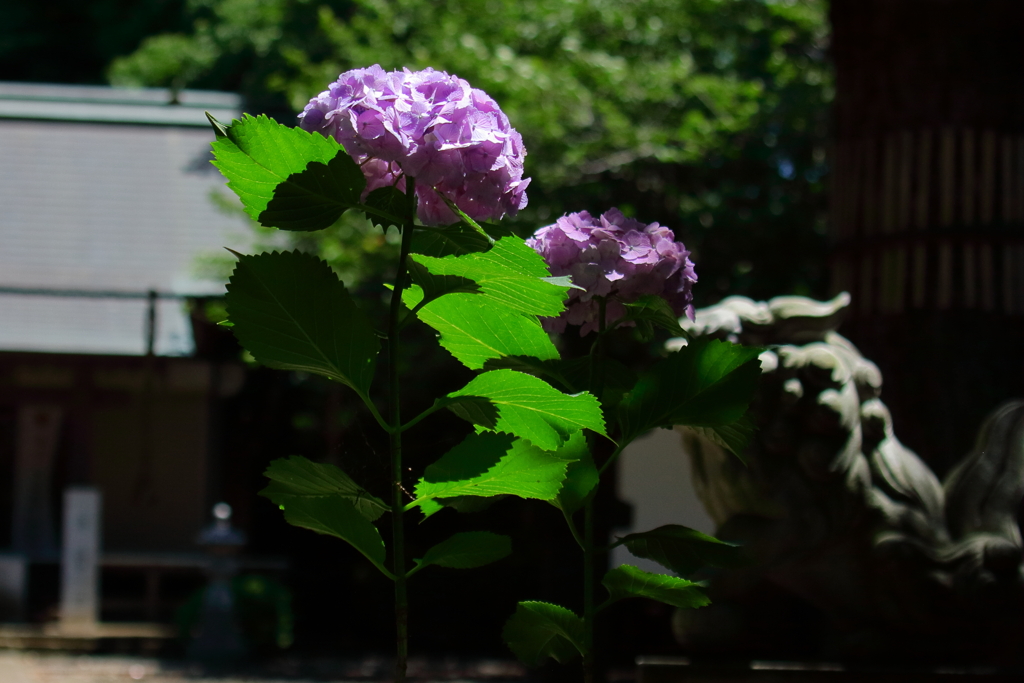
(837,511)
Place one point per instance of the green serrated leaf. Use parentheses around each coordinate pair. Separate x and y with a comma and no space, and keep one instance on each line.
(587,373)
(563,281)
(681,549)
(291,312)
(550,368)
(581,476)
(538,630)
(298,477)
(219,129)
(626,581)
(530,407)
(390,204)
(450,240)
(435,286)
(467,550)
(315,198)
(733,437)
(708,383)
(337,517)
(309,179)
(475,330)
(488,464)
(654,310)
(510,274)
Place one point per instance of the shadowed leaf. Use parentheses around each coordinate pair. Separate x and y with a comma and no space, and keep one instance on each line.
(391,205)
(298,477)
(291,312)
(337,517)
(681,549)
(626,581)
(708,383)
(581,476)
(467,550)
(538,630)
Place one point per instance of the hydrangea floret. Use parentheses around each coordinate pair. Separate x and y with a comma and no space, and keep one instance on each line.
(618,258)
(452,138)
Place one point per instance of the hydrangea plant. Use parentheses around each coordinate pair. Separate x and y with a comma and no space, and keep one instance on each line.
(425,154)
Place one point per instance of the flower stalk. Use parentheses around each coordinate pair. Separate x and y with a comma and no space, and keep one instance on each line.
(397,491)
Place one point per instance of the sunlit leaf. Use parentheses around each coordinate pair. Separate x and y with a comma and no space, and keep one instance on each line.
(475,330)
(529,407)
(510,274)
(434,286)
(489,464)
(286,177)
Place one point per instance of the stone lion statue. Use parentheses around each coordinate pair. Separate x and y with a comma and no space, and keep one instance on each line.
(840,519)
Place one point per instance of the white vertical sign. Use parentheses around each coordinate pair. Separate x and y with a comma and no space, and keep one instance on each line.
(79,568)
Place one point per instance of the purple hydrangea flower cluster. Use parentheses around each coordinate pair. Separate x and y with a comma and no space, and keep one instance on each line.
(450,137)
(615,257)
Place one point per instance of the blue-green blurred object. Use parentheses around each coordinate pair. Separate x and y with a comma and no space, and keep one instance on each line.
(262,609)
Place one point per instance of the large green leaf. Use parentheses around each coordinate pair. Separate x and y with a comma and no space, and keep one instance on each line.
(286,177)
(581,476)
(467,550)
(652,310)
(335,516)
(434,286)
(527,407)
(681,549)
(298,477)
(708,383)
(292,312)
(539,629)
(626,581)
(489,464)
(732,437)
(449,240)
(510,274)
(388,205)
(475,330)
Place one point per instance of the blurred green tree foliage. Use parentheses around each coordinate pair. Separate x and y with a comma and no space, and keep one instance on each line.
(709,116)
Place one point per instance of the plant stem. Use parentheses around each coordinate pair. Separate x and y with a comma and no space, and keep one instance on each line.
(588,591)
(397,505)
(597,386)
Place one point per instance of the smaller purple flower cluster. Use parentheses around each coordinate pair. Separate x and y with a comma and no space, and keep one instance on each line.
(431,126)
(615,257)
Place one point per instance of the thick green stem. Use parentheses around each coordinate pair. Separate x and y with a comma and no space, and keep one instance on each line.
(397,502)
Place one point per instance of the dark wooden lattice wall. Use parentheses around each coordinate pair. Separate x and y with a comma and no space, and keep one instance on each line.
(928,207)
